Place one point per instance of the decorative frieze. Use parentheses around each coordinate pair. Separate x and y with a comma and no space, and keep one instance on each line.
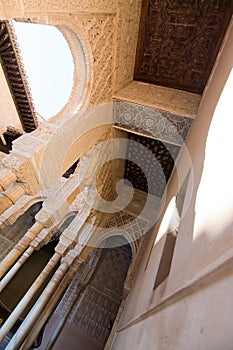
(154,122)
(70,5)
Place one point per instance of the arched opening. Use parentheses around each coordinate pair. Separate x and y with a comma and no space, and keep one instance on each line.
(93,298)
(23,279)
(49,66)
(11,234)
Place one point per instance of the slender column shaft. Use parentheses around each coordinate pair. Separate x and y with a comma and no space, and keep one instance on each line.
(15,268)
(28,296)
(23,330)
(42,238)
(47,311)
(74,258)
(19,248)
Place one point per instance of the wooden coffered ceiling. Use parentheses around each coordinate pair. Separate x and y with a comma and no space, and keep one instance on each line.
(179,41)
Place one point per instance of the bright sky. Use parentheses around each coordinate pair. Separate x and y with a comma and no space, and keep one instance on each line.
(49,66)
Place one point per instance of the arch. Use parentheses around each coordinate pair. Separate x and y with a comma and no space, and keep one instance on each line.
(19,208)
(15,231)
(82,75)
(65,222)
(32,201)
(82,78)
(120,237)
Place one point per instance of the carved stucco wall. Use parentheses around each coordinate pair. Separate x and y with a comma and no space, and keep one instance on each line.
(128,14)
(108,28)
(106,33)
(155,96)
(154,122)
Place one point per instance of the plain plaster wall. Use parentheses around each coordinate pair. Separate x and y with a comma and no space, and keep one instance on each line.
(200,321)
(193,317)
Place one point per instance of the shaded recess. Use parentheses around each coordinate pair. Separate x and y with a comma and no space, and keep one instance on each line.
(179,40)
(95,295)
(156,165)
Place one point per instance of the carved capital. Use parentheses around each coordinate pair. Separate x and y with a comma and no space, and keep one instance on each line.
(24,172)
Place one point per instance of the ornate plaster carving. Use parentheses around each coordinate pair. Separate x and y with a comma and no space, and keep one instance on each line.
(100,32)
(70,5)
(154,122)
(11,8)
(132,228)
(155,96)
(126,41)
(24,172)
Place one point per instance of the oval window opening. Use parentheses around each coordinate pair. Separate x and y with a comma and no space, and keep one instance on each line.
(49,65)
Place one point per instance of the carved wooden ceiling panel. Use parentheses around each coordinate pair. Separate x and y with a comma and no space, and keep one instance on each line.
(148,168)
(179,41)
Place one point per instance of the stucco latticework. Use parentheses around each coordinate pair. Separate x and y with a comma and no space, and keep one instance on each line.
(154,122)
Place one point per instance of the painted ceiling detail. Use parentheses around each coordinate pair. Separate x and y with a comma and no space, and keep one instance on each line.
(152,164)
(16,77)
(179,41)
(154,122)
